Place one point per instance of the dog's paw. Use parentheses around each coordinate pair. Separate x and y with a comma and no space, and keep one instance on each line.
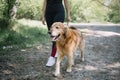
(73,63)
(57,75)
(83,59)
(68,70)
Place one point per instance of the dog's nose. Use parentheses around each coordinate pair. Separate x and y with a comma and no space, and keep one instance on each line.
(49,32)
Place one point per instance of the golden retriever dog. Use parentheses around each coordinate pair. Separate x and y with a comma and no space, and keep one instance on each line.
(67,40)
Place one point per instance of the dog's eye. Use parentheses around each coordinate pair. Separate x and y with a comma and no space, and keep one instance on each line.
(57,27)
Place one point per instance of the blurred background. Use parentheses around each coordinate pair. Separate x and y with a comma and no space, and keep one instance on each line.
(81,10)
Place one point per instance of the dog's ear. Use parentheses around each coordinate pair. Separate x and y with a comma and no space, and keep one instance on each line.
(66,32)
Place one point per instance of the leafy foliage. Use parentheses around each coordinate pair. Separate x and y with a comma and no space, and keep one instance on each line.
(6,14)
(30,9)
(81,10)
(114,13)
(87,11)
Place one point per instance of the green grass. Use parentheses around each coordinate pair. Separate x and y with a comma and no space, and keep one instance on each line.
(23,36)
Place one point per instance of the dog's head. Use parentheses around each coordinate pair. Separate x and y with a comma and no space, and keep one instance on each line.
(56,31)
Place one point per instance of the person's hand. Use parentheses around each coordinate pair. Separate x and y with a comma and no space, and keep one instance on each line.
(68,19)
(43,21)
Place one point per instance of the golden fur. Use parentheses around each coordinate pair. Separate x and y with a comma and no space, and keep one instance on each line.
(67,40)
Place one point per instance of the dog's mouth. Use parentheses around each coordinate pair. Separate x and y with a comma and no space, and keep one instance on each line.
(54,38)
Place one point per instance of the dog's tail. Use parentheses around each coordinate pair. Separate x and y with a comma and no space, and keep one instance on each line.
(72,27)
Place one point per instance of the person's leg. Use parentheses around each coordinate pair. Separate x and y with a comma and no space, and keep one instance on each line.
(51,59)
(59,17)
(50,20)
(54,49)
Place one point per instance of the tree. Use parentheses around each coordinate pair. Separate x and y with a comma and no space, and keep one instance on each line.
(10,8)
(113,9)
(14,9)
(114,14)
(9,12)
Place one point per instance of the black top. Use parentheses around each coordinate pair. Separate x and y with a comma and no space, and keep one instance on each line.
(54,1)
(54,12)
(54,6)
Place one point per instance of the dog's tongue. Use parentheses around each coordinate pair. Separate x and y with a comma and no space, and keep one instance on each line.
(53,38)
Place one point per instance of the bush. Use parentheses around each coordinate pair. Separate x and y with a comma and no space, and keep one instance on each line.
(114,13)
(2,7)
(4,23)
(30,9)
(77,12)
(87,11)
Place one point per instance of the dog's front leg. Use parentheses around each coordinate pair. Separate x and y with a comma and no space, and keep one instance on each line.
(57,69)
(70,62)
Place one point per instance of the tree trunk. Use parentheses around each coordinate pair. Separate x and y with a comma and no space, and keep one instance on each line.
(14,10)
(11,9)
(9,13)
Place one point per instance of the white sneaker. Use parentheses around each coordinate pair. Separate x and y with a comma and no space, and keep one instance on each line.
(51,61)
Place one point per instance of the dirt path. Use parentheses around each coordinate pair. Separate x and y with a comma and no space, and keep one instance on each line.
(102,59)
